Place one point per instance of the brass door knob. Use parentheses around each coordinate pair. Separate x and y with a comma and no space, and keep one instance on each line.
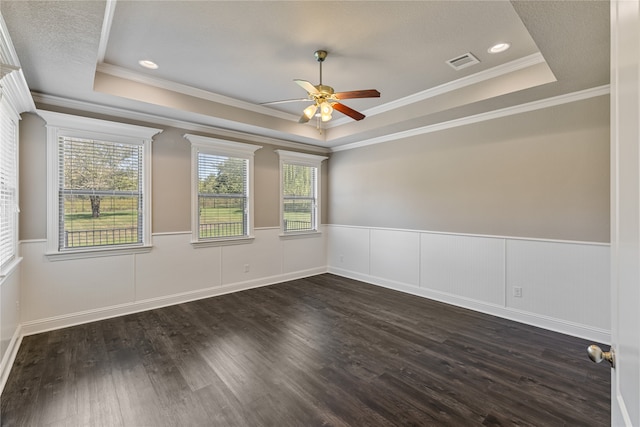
(597,355)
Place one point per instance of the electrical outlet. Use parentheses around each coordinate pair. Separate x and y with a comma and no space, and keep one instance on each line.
(517,292)
(246,268)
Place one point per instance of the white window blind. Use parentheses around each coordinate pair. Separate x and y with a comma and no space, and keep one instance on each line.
(299,197)
(100,198)
(8,188)
(222,196)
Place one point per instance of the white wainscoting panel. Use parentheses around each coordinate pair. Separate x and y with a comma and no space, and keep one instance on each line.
(56,294)
(395,256)
(57,288)
(304,253)
(263,258)
(466,266)
(174,266)
(9,323)
(565,285)
(349,248)
(9,311)
(560,280)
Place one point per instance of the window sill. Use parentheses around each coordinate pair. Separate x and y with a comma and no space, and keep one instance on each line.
(300,234)
(222,242)
(95,253)
(10,268)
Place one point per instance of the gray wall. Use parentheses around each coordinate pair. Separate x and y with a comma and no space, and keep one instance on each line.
(171,175)
(541,174)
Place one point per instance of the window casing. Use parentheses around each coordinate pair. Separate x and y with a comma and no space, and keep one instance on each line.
(221,191)
(8,187)
(299,192)
(99,193)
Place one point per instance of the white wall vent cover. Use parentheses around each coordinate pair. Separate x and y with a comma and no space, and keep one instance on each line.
(463,61)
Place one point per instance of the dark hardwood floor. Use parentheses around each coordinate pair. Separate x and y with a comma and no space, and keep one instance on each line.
(318,351)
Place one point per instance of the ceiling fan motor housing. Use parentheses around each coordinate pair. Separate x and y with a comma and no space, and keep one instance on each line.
(320,55)
(325,90)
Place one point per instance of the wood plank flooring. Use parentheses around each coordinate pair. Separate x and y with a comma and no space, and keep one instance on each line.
(324,350)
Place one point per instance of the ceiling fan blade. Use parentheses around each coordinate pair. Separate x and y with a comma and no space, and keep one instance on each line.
(286,100)
(306,86)
(365,93)
(355,115)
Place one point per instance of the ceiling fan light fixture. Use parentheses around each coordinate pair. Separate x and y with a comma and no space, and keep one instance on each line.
(326,100)
(310,110)
(325,111)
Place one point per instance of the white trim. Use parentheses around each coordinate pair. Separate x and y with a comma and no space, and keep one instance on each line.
(127,74)
(490,115)
(8,53)
(63,321)
(27,241)
(68,122)
(14,85)
(219,147)
(16,91)
(171,233)
(109,10)
(308,160)
(486,236)
(168,121)
(225,241)
(59,124)
(300,234)
(10,267)
(10,356)
(537,320)
(491,73)
(361,269)
(301,158)
(96,253)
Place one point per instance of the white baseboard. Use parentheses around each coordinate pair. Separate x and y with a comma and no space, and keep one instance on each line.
(558,325)
(72,319)
(10,357)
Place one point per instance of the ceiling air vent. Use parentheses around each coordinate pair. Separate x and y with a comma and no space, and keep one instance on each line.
(463,61)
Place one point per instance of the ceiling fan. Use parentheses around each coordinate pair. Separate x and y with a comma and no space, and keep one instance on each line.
(326,100)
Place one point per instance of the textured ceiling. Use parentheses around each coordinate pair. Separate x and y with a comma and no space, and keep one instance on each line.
(220,60)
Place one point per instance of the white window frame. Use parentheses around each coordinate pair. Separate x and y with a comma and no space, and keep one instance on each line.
(301,159)
(12,259)
(60,125)
(219,147)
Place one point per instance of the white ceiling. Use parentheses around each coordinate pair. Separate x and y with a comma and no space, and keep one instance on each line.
(219,60)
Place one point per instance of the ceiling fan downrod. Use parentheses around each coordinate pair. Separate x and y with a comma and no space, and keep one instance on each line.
(320,55)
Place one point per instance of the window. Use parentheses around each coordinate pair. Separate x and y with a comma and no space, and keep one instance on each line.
(8,187)
(222,196)
(99,186)
(299,191)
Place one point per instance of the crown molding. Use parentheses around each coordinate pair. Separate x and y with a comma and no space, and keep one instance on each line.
(8,54)
(14,86)
(490,115)
(491,73)
(168,121)
(124,73)
(109,10)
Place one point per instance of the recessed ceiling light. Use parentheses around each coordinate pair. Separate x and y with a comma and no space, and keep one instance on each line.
(499,47)
(148,64)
